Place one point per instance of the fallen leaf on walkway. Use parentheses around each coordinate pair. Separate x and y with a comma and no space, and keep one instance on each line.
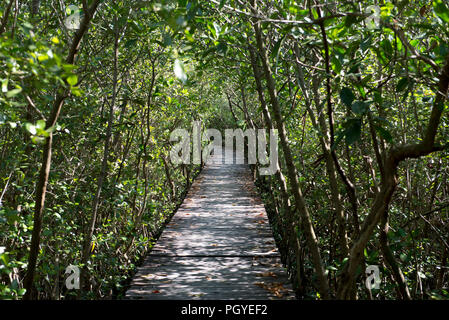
(275,288)
(267,274)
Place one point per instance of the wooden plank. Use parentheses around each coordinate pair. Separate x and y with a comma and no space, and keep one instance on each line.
(219,245)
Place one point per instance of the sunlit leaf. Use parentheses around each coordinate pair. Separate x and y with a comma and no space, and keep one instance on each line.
(441,10)
(72,79)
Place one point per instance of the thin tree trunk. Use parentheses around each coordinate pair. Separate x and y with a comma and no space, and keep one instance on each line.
(391,261)
(41,185)
(289,233)
(104,164)
(330,167)
(35,7)
(306,222)
(172,187)
(389,182)
(350,188)
(5,17)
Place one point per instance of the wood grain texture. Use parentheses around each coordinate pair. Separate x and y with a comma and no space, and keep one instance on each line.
(218,245)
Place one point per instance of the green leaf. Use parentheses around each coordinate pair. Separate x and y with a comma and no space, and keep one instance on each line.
(347,97)
(167,40)
(366,43)
(76,91)
(441,10)
(40,124)
(387,48)
(5,85)
(213,30)
(402,84)
(277,46)
(68,67)
(30,128)
(315,14)
(351,133)
(359,107)
(275,52)
(72,79)
(217,28)
(349,21)
(378,97)
(37,139)
(336,64)
(13,92)
(384,133)
(221,48)
(354,131)
(130,43)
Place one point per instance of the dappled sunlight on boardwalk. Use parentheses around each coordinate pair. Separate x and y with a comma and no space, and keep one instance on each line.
(219,245)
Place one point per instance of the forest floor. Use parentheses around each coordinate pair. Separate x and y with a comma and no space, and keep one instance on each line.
(218,245)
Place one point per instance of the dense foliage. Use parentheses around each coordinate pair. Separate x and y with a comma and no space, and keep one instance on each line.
(357,92)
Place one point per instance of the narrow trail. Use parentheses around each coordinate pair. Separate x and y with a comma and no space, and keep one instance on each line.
(218,245)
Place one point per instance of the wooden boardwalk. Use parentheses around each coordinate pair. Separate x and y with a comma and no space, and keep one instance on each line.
(218,245)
